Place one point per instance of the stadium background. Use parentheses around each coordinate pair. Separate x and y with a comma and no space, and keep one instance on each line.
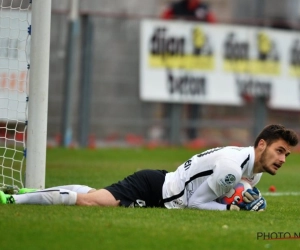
(117,115)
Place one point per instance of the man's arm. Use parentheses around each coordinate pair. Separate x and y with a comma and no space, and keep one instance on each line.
(204,198)
(216,185)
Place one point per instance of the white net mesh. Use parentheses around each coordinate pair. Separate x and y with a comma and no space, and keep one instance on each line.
(14,60)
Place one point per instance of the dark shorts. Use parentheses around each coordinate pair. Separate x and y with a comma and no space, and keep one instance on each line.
(141,189)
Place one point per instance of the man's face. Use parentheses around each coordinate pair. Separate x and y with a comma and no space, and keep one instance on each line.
(274,156)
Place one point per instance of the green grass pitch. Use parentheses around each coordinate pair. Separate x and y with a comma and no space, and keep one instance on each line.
(70,227)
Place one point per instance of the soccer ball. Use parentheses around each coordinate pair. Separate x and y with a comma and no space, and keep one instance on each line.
(235,194)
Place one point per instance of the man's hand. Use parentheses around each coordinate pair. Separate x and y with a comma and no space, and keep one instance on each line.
(257,205)
(251,195)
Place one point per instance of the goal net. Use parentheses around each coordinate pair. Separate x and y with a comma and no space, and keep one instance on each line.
(14,63)
(24,75)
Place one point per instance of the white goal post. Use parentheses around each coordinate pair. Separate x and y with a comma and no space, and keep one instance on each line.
(38,94)
(24,77)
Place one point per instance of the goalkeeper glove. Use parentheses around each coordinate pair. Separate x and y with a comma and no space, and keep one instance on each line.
(251,195)
(259,204)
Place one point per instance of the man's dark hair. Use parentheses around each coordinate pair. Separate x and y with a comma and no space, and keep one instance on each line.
(275,132)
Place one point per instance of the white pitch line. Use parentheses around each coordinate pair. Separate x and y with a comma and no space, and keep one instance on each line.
(281,194)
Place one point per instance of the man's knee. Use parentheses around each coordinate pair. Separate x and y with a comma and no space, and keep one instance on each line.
(92,190)
(100,197)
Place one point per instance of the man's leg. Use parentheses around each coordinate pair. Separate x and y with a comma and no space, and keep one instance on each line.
(52,196)
(100,197)
(75,188)
(81,189)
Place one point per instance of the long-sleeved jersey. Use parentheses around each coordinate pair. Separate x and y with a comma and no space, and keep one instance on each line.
(199,181)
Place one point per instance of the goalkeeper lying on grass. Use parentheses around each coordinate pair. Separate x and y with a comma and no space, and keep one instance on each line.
(197,183)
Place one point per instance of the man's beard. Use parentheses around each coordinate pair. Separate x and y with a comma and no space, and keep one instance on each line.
(264,164)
